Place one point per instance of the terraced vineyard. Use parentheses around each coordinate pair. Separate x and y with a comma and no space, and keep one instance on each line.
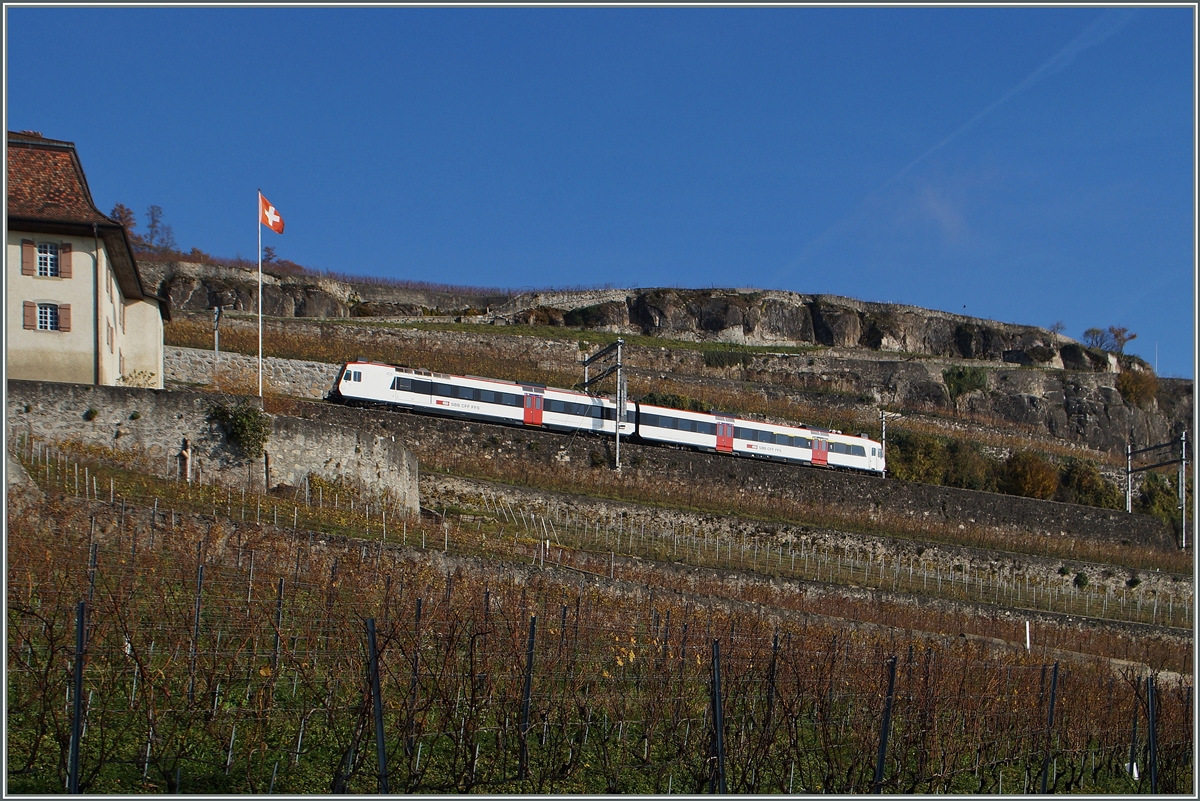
(227,652)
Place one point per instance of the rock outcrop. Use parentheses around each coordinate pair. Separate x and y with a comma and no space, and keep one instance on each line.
(716,315)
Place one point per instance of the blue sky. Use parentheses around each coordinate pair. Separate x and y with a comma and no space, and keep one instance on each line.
(1029,165)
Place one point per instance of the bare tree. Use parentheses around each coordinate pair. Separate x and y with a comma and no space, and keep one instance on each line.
(1113,339)
(1097,338)
(159,236)
(1119,335)
(125,216)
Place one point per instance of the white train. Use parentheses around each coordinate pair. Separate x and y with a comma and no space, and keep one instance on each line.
(495,401)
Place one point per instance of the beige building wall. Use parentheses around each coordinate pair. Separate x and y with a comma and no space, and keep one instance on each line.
(105,328)
(142,344)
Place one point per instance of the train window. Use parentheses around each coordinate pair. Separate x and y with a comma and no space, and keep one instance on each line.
(743,433)
(705,428)
(766,436)
(510,399)
(423,387)
(348,375)
(357,375)
(445,390)
(466,393)
(687,425)
(858,450)
(400,383)
(556,406)
(803,442)
(487,396)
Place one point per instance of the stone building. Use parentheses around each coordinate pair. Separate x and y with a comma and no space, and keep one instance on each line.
(77,310)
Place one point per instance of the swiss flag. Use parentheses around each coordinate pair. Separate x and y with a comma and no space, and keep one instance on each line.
(268,216)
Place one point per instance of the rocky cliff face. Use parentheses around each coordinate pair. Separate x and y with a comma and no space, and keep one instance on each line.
(716,315)
(787,318)
(872,353)
(198,287)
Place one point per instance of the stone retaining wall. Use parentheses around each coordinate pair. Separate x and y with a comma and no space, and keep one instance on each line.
(823,490)
(193,366)
(153,424)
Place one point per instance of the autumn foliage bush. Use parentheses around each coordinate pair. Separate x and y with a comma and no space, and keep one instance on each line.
(1138,387)
(1029,475)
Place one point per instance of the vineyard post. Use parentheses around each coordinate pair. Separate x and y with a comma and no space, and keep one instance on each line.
(77,700)
(1137,687)
(523,764)
(1049,726)
(195,636)
(412,685)
(771,679)
(377,701)
(1152,731)
(278,624)
(92,569)
(716,782)
(883,729)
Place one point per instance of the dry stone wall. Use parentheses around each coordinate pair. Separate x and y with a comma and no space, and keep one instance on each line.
(820,487)
(195,367)
(153,424)
(1082,408)
(824,491)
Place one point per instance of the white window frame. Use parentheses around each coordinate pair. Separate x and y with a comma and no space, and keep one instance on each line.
(47,317)
(47,260)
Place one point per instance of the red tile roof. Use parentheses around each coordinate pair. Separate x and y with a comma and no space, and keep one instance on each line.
(48,192)
(46,182)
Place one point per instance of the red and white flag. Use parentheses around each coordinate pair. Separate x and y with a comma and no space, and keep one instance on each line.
(268,216)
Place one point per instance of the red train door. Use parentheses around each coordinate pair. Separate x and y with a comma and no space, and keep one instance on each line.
(820,451)
(724,437)
(533,409)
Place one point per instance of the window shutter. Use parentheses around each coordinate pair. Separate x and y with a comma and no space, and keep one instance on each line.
(64,260)
(28,257)
(30,315)
(64,316)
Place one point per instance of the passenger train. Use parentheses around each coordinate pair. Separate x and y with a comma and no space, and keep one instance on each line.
(533,405)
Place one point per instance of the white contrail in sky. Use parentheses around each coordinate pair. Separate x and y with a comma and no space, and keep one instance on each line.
(1100,30)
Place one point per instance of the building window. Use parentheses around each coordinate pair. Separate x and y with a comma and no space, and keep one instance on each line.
(47,317)
(47,260)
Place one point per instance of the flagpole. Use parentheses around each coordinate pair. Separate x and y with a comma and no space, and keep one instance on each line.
(258,217)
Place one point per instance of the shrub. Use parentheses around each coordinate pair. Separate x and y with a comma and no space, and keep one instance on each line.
(597,459)
(673,401)
(1080,482)
(726,358)
(1030,476)
(1159,497)
(1064,570)
(1138,387)
(1081,580)
(916,457)
(139,378)
(90,414)
(135,415)
(248,425)
(967,467)
(962,380)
